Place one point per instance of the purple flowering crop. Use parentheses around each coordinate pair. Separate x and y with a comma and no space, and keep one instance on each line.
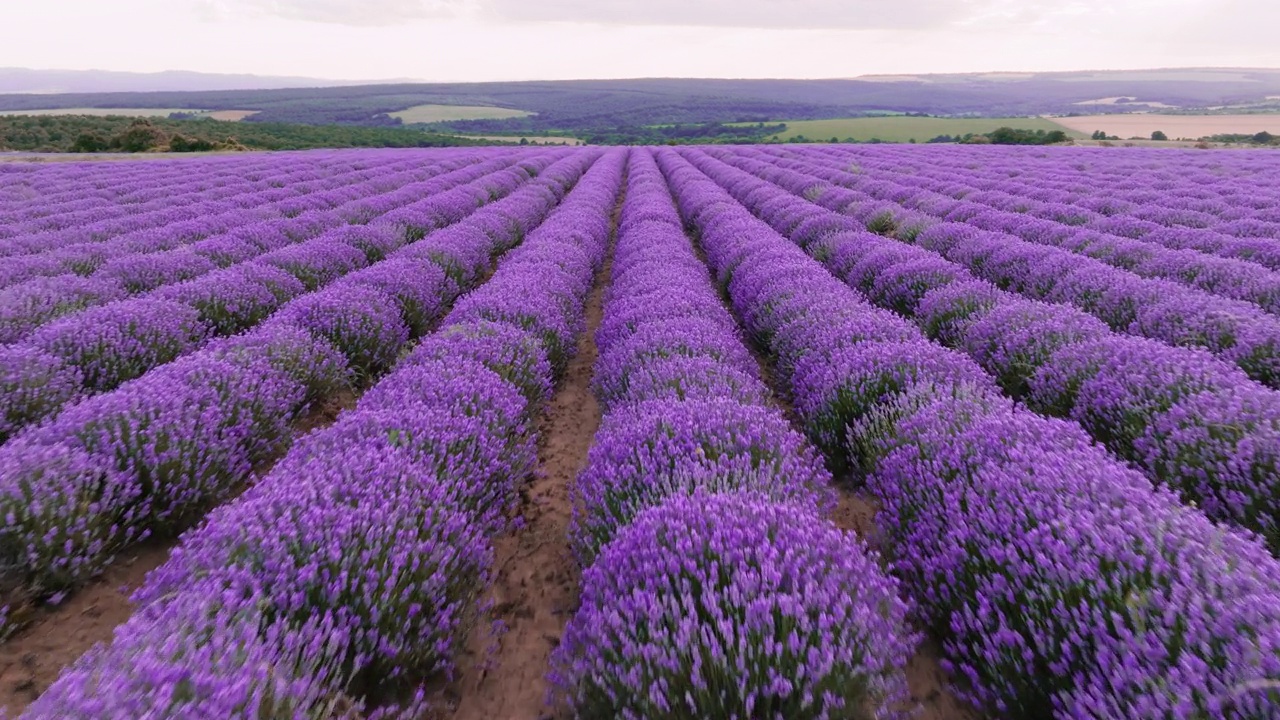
(733,606)
(62,516)
(362,322)
(236,298)
(33,385)
(1060,581)
(1132,294)
(357,563)
(674,518)
(516,356)
(27,306)
(1043,353)
(120,341)
(650,451)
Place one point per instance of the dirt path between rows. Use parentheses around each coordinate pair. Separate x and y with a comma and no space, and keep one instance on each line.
(31,660)
(59,634)
(536,589)
(927,682)
(855,513)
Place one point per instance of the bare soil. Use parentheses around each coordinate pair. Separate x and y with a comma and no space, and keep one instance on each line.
(537,585)
(325,412)
(855,512)
(927,682)
(59,634)
(31,660)
(1175,126)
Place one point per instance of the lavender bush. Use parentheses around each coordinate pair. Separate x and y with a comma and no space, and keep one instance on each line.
(733,606)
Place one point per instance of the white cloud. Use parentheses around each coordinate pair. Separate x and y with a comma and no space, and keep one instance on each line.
(370,13)
(479,40)
(762,14)
(767,14)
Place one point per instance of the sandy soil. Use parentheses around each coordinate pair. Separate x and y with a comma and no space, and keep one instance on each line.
(927,682)
(32,659)
(1175,126)
(537,585)
(855,512)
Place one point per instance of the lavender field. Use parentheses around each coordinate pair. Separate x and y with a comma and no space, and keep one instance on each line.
(701,432)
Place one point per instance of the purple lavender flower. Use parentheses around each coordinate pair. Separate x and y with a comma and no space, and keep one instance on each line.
(27,306)
(370,542)
(139,273)
(486,471)
(833,390)
(420,288)
(1077,617)
(186,434)
(515,355)
(362,322)
(237,298)
(317,262)
(312,363)
(122,340)
(375,241)
(61,521)
(520,302)
(190,659)
(646,453)
(1016,338)
(33,385)
(733,605)
(465,385)
(679,378)
(658,339)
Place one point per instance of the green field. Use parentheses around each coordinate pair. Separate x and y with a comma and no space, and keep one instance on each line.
(447,113)
(899,128)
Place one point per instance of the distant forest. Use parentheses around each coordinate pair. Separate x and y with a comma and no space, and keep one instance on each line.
(603,108)
(91,134)
(82,133)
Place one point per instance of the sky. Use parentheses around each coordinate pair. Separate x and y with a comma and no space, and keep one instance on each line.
(481,40)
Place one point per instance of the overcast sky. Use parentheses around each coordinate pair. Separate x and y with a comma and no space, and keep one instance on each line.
(448,40)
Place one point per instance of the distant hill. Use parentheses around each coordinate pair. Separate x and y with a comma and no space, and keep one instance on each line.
(44,82)
(584,106)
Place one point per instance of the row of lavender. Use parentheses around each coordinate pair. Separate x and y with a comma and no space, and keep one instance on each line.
(139,262)
(1122,237)
(97,347)
(1155,192)
(1240,332)
(192,211)
(1186,418)
(92,202)
(74,204)
(712,585)
(152,454)
(79,275)
(1060,582)
(210,227)
(355,567)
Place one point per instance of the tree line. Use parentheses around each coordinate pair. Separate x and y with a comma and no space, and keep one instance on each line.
(83,133)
